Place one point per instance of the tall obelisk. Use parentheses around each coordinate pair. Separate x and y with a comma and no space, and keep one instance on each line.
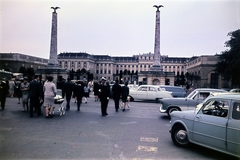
(53,46)
(157,56)
(53,69)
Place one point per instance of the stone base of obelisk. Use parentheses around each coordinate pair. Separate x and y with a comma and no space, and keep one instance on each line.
(156,77)
(156,68)
(55,71)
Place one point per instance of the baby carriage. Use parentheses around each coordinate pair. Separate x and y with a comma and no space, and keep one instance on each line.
(61,109)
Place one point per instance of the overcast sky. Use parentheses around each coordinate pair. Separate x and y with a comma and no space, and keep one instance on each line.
(118,27)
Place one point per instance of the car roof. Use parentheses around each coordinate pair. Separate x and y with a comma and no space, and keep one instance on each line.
(148,85)
(235,96)
(224,93)
(167,86)
(210,89)
(235,89)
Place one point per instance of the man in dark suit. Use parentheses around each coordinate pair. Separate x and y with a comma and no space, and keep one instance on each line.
(35,94)
(116,90)
(67,90)
(4,87)
(104,91)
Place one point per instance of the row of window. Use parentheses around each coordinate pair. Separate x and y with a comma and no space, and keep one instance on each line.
(141,66)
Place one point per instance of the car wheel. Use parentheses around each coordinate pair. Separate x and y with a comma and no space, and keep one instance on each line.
(171,110)
(179,136)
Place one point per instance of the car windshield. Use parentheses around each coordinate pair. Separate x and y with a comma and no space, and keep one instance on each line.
(192,94)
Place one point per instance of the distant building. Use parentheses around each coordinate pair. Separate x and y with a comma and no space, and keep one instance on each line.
(200,70)
(111,66)
(14,61)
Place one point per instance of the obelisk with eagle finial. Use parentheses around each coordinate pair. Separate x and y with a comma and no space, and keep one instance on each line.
(157,56)
(53,46)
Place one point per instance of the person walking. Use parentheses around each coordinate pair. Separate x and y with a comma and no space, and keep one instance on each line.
(190,89)
(96,90)
(116,90)
(125,93)
(90,86)
(50,91)
(12,87)
(17,91)
(86,92)
(4,87)
(78,92)
(68,91)
(35,94)
(104,93)
(24,87)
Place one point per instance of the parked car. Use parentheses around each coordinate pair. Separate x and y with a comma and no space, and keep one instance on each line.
(133,86)
(176,90)
(149,92)
(168,105)
(215,125)
(236,90)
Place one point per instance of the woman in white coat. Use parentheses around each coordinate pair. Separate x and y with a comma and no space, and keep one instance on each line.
(50,92)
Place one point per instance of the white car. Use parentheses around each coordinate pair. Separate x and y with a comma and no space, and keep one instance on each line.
(216,125)
(236,90)
(149,92)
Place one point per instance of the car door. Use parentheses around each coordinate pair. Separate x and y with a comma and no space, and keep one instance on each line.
(142,93)
(209,127)
(192,102)
(152,93)
(233,129)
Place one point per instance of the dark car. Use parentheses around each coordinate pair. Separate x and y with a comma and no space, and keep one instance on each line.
(176,90)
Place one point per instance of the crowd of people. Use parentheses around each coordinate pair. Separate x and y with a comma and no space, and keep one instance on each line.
(101,90)
(35,94)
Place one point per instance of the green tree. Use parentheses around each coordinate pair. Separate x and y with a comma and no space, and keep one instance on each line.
(229,61)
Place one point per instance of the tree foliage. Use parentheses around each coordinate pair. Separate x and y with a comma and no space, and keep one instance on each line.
(229,61)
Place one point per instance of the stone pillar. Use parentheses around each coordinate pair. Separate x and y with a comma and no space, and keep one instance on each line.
(53,46)
(157,56)
(53,69)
